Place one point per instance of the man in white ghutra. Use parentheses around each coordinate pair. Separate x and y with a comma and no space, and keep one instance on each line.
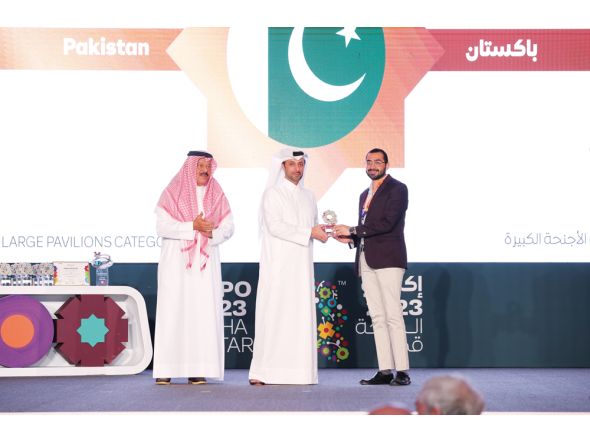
(285,326)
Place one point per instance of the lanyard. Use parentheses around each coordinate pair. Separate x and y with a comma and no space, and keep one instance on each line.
(367,202)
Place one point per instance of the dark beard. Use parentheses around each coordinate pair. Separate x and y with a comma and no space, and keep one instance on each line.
(379,176)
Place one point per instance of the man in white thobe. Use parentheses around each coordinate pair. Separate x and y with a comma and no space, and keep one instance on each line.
(193,218)
(285,335)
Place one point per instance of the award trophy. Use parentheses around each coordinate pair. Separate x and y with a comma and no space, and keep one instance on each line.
(36,275)
(102,262)
(330,219)
(23,273)
(5,275)
(45,273)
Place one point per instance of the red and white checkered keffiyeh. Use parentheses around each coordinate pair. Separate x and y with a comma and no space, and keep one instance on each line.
(179,199)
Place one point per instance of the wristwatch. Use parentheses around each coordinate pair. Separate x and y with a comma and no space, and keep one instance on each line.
(352,230)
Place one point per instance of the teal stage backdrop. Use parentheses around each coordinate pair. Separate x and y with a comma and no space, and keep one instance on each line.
(457,314)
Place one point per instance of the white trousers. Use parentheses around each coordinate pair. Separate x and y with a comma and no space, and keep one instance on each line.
(382,289)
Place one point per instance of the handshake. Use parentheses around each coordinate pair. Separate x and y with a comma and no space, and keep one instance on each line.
(323,232)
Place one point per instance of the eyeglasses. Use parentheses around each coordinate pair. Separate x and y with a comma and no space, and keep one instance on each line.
(374,162)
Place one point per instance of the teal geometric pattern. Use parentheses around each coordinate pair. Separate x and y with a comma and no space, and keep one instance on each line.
(92,330)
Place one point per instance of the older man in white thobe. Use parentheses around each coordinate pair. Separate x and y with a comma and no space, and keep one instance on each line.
(193,218)
(285,334)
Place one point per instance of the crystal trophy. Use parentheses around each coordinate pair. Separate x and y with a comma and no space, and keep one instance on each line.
(330,219)
(23,273)
(36,275)
(45,274)
(102,262)
(5,275)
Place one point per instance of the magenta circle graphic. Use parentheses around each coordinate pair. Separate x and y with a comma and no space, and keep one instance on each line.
(35,312)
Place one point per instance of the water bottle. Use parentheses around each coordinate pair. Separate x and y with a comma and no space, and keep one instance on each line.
(102,262)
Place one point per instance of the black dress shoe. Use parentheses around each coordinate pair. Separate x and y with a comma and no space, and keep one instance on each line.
(256,382)
(197,381)
(378,379)
(401,378)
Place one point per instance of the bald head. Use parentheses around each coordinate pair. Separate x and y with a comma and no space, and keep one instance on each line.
(449,395)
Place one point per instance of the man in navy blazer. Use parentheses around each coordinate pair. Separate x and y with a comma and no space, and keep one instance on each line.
(381,261)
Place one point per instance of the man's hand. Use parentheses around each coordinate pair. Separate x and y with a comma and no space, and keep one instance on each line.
(318,233)
(342,231)
(202,225)
(343,239)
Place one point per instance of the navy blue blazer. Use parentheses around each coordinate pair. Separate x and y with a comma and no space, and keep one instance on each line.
(383,230)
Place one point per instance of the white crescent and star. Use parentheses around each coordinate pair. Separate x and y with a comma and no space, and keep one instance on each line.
(305,78)
(349,33)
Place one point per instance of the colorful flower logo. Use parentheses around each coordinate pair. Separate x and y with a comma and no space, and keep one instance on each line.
(331,344)
(325,351)
(325,293)
(326,330)
(342,353)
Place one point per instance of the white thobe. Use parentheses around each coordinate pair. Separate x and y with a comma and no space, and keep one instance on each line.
(285,326)
(189,340)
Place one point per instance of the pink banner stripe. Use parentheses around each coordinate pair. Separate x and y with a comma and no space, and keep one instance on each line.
(513,50)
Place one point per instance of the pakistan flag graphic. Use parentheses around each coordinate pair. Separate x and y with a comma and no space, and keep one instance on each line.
(315,85)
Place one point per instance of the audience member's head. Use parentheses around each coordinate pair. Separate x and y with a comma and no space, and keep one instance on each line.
(448,395)
(392,409)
